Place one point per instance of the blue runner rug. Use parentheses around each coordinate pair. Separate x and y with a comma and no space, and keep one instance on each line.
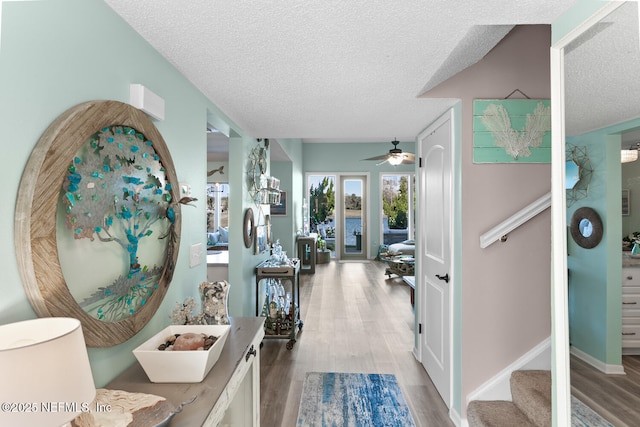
(583,416)
(332,399)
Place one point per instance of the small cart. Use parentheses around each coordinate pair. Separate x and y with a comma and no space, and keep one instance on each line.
(280,323)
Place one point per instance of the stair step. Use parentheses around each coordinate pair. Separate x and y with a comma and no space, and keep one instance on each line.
(496,413)
(531,393)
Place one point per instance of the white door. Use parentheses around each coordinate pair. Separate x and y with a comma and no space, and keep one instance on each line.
(434,146)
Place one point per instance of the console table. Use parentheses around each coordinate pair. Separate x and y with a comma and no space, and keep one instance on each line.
(229,394)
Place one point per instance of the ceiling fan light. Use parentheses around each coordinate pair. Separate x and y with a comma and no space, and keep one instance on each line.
(395,160)
(627,156)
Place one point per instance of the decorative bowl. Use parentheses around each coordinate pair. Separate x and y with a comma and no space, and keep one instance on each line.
(173,366)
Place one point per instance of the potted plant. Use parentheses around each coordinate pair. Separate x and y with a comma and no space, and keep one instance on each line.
(323,255)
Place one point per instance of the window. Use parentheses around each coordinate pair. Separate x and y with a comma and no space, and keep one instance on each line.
(397,192)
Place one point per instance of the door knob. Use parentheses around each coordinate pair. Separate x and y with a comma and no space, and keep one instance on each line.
(445,277)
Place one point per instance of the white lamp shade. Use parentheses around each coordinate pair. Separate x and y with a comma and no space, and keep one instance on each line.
(45,372)
(627,156)
(395,160)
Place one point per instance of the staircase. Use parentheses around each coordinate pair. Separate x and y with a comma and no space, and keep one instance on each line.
(531,405)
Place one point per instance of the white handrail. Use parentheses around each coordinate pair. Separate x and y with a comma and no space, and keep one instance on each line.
(515,221)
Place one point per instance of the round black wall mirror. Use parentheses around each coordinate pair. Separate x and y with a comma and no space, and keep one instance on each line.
(586,228)
(247,229)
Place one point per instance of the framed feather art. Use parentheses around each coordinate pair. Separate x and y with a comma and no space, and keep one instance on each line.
(511,131)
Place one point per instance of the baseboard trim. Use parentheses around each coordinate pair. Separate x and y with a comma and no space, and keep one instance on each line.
(596,363)
(498,387)
(455,417)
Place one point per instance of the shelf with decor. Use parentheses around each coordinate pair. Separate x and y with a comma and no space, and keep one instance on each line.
(268,191)
(281,295)
(265,189)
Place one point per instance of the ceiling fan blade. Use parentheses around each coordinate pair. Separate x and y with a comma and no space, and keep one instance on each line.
(395,156)
(382,157)
(409,158)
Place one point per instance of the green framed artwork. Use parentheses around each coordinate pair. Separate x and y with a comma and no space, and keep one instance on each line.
(511,131)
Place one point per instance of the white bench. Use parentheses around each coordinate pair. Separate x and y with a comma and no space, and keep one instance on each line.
(411,281)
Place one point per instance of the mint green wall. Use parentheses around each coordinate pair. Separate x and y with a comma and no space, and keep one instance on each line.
(242,262)
(291,178)
(577,14)
(596,274)
(55,55)
(283,227)
(347,157)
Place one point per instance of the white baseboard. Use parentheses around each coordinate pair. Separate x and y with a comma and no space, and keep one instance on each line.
(598,364)
(457,421)
(498,387)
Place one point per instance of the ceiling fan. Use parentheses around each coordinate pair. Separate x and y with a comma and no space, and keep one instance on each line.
(395,156)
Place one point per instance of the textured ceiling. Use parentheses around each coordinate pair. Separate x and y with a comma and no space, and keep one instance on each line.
(333,70)
(602,69)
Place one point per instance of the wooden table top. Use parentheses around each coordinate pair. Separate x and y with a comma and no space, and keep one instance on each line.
(134,379)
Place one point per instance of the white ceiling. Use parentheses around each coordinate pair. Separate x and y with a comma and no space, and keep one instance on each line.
(602,68)
(328,71)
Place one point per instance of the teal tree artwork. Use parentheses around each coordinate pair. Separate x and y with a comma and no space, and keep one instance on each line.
(116,193)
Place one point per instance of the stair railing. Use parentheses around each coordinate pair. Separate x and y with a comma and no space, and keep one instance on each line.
(500,231)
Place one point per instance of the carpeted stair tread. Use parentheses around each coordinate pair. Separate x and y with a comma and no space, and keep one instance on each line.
(531,393)
(496,413)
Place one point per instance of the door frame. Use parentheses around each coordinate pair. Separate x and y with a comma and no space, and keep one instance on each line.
(338,206)
(560,363)
(454,251)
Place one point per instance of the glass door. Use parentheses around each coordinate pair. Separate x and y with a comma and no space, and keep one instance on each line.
(322,200)
(353,207)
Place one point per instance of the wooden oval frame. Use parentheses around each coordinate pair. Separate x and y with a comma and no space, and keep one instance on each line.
(594,239)
(248,227)
(35,218)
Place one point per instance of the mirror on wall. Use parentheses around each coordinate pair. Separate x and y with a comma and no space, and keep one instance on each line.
(218,191)
(601,90)
(217,216)
(630,180)
(572,174)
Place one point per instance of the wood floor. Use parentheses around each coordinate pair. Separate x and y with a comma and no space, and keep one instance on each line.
(355,320)
(615,397)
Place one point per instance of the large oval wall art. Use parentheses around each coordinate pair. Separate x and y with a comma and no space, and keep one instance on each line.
(98,221)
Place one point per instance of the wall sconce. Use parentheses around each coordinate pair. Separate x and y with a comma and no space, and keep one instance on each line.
(45,372)
(143,99)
